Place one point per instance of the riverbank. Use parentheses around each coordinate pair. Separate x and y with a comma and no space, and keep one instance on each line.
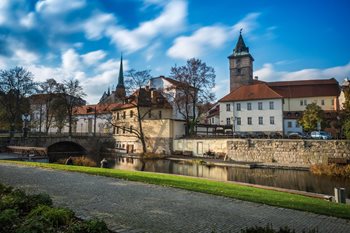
(226,189)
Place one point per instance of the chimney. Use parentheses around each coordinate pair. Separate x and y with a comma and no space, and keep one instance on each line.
(256,77)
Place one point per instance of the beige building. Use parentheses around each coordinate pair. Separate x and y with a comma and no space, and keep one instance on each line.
(158,127)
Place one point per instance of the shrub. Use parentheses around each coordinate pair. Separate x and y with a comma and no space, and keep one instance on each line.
(80,161)
(40,199)
(269,229)
(8,220)
(5,189)
(91,226)
(55,217)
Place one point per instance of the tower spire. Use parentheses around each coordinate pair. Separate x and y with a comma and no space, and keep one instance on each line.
(241,48)
(121,74)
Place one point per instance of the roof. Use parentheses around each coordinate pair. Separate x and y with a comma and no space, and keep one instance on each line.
(306,88)
(100,109)
(251,92)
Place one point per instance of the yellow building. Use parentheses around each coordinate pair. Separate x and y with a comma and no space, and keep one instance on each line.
(150,110)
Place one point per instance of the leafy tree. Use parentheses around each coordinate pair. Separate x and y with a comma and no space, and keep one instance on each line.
(71,94)
(196,81)
(311,116)
(345,114)
(16,85)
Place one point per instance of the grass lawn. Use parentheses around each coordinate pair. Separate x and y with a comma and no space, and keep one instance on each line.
(236,191)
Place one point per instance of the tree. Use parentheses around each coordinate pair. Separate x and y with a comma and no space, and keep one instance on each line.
(136,80)
(196,81)
(311,116)
(345,114)
(16,85)
(71,94)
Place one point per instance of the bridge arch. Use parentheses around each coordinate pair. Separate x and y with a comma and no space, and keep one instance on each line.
(64,149)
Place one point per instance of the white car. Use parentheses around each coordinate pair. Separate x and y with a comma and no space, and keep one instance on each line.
(320,135)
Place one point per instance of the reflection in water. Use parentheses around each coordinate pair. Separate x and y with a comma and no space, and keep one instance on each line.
(289,179)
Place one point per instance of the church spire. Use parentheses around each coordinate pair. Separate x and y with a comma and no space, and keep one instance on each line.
(121,75)
(240,48)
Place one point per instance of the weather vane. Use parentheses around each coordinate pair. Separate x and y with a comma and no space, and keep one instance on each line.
(240,31)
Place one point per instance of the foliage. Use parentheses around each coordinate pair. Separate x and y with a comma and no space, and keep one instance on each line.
(331,170)
(196,81)
(16,85)
(346,128)
(22,213)
(241,192)
(91,226)
(80,161)
(270,229)
(312,114)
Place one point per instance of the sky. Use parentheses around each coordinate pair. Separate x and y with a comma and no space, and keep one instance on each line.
(84,39)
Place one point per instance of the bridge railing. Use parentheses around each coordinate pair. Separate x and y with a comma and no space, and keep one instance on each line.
(36,134)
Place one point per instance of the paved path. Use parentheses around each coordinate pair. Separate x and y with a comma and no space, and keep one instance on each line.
(137,207)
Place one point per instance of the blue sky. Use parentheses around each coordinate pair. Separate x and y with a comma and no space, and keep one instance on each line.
(84,38)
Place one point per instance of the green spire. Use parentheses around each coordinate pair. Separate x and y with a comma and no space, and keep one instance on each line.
(121,75)
(240,46)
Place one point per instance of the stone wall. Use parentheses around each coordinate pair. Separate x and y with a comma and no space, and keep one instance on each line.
(303,152)
(282,151)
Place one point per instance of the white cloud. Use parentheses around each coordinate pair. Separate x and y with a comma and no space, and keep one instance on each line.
(200,41)
(269,73)
(70,60)
(210,37)
(169,22)
(58,6)
(96,26)
(248,23)
(28,21)
(94,57)
(24,57)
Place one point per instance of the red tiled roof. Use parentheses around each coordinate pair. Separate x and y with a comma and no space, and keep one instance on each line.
(306,88)
(251,92)
(100,109)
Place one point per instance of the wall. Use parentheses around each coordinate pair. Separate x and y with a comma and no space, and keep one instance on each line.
(282,151)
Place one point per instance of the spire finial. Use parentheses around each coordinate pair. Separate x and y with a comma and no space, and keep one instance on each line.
(240,31)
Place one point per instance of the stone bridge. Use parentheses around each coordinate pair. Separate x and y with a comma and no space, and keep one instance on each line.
(60,146)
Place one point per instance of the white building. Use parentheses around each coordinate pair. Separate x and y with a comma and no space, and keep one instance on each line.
(252,108)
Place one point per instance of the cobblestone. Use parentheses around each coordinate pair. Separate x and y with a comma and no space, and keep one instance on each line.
(136,207)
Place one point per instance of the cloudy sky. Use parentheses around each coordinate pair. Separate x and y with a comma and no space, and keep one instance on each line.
(83,39)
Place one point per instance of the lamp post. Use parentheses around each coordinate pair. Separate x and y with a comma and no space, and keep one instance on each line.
(25,119)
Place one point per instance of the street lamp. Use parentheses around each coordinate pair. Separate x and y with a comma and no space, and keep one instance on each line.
(25,119)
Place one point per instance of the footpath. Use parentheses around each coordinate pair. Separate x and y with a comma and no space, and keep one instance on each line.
(137,207)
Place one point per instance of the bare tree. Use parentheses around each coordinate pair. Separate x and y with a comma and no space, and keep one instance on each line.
(141,100)
(71,94)
(196,81)
(15,86)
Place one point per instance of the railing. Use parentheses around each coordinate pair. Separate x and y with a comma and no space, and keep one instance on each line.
(35,134)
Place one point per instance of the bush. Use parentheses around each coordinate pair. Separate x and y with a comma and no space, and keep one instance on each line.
(80,161)
(8,220)
(91,226)
(5,189)
(55,217)
(331,170)
(269,229)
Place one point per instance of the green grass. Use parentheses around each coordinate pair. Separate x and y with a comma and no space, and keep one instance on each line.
(236,191)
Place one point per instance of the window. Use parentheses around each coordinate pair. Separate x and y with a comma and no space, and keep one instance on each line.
(249,120)
(131,113)
(289,124)
(282,101)
(123,130)
(238,61)
(272,120)
(124,115)
(150,114)
(228,121)
(249,106)
(297,124)
(238,107)
(305,102)
(322,102)
(117,115)
(160,114)
(332,102)
(130,128)
(117,130)
(261,120)
(271,105)
(260,105)
(228,107)
(238,71)
(238,119)
(301,102)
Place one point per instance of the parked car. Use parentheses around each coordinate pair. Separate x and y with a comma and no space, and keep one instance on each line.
(275,135)
(320,135)
(298,135)
(258,135)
